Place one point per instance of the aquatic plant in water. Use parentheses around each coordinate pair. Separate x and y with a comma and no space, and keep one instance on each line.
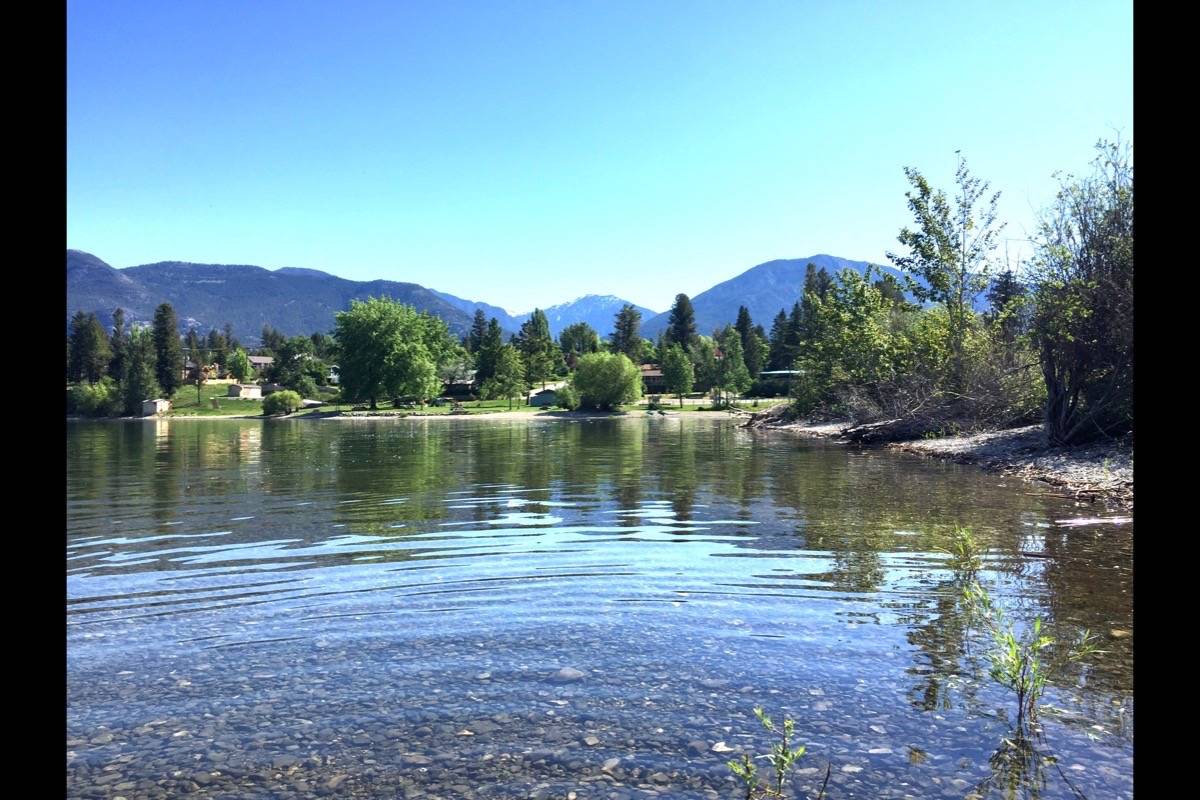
(782,758)
(1016,661)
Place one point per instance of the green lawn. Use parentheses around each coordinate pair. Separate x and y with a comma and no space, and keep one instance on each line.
(183,403)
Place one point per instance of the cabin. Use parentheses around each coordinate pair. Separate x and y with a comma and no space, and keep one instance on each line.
(260,363)
(335,375)
(460,386)
(151,408)
(652,379)
(246,391)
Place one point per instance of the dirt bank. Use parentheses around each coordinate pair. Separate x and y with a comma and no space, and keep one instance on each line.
(1102,471)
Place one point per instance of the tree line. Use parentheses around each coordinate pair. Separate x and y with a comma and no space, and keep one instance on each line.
(1055,340)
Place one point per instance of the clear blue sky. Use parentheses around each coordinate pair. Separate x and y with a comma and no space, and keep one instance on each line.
(525,153)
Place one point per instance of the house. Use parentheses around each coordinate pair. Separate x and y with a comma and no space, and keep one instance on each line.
(335,374)
(462,385)
(652,379)
(152,408)
(260,363)
(246,391)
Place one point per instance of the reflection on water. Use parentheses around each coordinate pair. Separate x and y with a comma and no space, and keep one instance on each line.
(371,608)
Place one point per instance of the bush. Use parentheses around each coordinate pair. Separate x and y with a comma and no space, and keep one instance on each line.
(282,402)
(304,385)
(567,397)
(99,399)
(606,380)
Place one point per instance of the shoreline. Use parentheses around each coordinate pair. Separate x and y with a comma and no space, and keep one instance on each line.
(1098,472)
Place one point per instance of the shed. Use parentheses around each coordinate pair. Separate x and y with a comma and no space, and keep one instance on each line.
(246,391)
(152,407)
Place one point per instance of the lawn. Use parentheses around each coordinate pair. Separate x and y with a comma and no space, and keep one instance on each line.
(183,403)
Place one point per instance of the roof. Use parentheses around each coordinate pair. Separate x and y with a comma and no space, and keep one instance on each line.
(262,360)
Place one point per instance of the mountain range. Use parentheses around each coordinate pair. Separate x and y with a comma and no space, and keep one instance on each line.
(299,301)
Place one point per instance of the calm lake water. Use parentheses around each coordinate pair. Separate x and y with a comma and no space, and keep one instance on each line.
(512,609)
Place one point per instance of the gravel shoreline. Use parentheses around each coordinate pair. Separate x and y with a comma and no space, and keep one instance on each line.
(1101,471)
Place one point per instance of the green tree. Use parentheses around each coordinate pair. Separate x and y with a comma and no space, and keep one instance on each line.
(891,289)
(219,348)
(1083,287)
(732,375)
(477,333)
(704,361)
(284,401)
(489,352)
(753,349)
(272,339)
(626,335)
(119,346)
(168,366)
(950,252)
(606,381)
(239,366)
(389,350)
(777,351)
(508,377)
(140,383)
(90,351)
(681,325)
(678,372)
(576,340)
(538,350)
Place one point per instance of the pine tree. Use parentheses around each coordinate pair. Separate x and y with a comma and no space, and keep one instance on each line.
(478,330)
(119,345)
(168,363)
(753,348)
(538,350)
(777,343)
(489,351)
(681,326)
(90,352)
(627,335)
(139,382)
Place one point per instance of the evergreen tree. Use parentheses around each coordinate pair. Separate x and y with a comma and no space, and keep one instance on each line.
(218,347)
(681,326)
(892,291)
(119,345)
(795,335)
(478,331)
(90,351)
(139,384)
(752,346)
(777,343)
(272,339)
(626,335)
(231,343)
(538,350)
(168,364)
(489,351)
(576,340)
(195,350)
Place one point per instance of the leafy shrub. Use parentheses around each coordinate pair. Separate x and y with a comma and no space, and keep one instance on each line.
(606,381)
(304,385)
(281,402)
(567,397)
(100,399)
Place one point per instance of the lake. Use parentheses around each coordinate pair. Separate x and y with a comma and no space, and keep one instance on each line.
(535,608)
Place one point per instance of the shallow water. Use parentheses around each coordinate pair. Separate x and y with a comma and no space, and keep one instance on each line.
(383,608)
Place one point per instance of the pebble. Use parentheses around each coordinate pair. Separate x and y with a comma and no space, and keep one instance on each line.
(591,741)
(567,674)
